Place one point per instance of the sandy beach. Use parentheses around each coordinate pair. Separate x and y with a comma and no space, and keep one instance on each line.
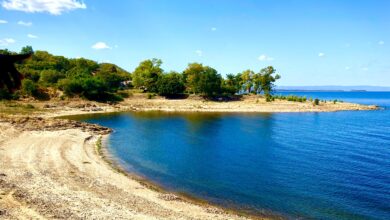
(51,168)
(55,172)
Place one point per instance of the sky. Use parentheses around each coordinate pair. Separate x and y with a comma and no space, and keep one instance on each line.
(309,42)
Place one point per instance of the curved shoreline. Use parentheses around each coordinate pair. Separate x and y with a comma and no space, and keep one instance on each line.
(33,137)
(51,169)
(114,162)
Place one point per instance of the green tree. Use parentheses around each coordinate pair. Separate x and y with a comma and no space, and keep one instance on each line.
(27,50)
(202,80)
(112,75)
(267,80)
(247,80)
(232,84)
(146,75)
(170,84)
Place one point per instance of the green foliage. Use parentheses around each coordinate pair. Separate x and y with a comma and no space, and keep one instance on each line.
(91,88)
(146,75)
(150,95)
(91,80)
(267,79)
(316,102)
(291,98)
(247,80)
(76,77)
(29,88)
(50,77)
(202,80)
(232,84)
(170,84)
(27,50)
(112,75)
(5,94)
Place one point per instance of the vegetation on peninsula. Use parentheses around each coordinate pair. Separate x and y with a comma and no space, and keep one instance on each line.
(46,74)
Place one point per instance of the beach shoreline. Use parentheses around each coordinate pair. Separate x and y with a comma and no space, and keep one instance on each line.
(52,168)
(56,172)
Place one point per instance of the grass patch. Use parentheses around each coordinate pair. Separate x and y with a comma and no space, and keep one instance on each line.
(16,108)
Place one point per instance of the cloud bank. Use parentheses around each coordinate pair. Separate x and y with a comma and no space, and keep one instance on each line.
(55,7)
(24,23)
(6,41)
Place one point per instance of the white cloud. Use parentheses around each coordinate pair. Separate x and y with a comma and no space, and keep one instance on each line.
(6,41)
(381,42)
(347,68)
(213,29)
(25,23)
(321,54)
(3,22)
(264,57)
(55,7)
(100,46)
(199,52)
(32,36)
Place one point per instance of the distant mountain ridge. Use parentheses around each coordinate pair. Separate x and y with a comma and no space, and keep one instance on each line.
(335,88)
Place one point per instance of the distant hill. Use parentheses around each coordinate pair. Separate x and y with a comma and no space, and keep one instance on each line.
(334,88)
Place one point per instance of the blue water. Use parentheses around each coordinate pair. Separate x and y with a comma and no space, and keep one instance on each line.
(298,165)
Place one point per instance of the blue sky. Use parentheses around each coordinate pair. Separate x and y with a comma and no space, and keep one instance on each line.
(328,42)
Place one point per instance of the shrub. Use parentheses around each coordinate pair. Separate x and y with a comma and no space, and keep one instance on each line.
(51,77)
(4,94)
(29,87)
(316,101)
(150,95)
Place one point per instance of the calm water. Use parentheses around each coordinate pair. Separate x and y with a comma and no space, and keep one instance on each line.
(307,165)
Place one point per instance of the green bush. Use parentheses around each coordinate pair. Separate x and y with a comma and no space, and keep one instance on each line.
(50,77)
(4,94)
(29,88)
(149,95)
(316,101)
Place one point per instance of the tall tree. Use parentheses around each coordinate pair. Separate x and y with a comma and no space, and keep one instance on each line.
(202,80)
(27,50)
(170,84)
(146,74)
(247,80)
(268,79)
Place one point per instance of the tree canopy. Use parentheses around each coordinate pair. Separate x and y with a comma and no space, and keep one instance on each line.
(101,81)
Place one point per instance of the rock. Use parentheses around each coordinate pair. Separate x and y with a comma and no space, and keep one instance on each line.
(96,109)
(169,197)
(3,212)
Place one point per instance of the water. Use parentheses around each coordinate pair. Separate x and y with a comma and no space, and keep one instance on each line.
(299,165)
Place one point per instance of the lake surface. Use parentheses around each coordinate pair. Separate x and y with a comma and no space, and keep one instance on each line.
(299,165)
